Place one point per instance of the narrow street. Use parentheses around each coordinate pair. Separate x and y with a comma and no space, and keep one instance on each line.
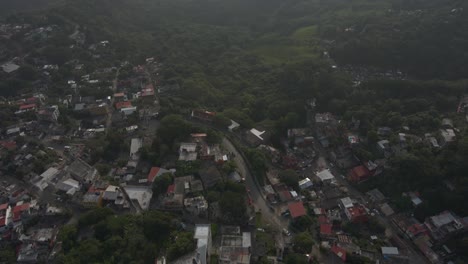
(114,89)
(413,255)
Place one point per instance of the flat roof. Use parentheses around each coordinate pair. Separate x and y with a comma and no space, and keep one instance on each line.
(390,251)
(325,175)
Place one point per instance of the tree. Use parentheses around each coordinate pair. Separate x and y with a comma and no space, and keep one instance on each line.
(233,207)
(289,177)
(27,73)
(68,236)
(293,258)
(183,244)
(303,243)
(173,127)
(220,120)
(161,183)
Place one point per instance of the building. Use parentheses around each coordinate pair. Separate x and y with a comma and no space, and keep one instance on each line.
(188,151)
(326,176)
(444,225)
(123,104)
(390,252)
(447,136)
(135,146)
(82,171)
(255,137)
(156,172)
(69,186)
(376,196)
(234,125)
(203,237)
(235,249)
(140,196)
(296,209)
(355,213)
(203,115)
(196,205)
(305,184)
(48,114)
(359,174)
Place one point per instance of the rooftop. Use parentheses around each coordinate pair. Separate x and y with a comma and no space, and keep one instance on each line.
(325,175)
(141,194)
(296,209)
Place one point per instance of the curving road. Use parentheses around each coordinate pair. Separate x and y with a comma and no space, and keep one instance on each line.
(258,200)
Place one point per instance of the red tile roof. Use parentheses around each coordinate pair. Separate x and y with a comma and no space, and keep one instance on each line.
(20,208)
(125,104)
(148,91)
(153,173)
(326,229)
(3,206)
(9,145)
(340,252)
(170,189)
(2,221)
(27,106)
(358,213)
(296,209)
(359,173)
(323,220)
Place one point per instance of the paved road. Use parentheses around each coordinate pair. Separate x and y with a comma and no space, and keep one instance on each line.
(256,195)
(114,89)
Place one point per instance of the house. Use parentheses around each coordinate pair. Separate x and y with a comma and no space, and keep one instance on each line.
(147,94)
(188,151)
(156,172)
(383,145)
(203,237)
(10,67)
(27,107)
(359,174)
(414,197)
(235,249)
(255,137)
(8,145)
(324,118)
(444,225)
(356,213)
(82,171)
(326,176)
(340,252)
(48,114)
(197,205)
(123,104)
(447,123)
(203,115)
(389,252)
(326,230)
(301,137)
(120,97)
(233,126)
(92,199)
(69,186)
(386,209)
(140,196)
(135,145)
(126,111)
(305,184)
(447,136)
(296,209)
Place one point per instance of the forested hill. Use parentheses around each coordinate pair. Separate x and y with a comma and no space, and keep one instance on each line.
(425,38)
(12,6)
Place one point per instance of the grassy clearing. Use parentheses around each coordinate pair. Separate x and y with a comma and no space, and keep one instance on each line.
(276,49)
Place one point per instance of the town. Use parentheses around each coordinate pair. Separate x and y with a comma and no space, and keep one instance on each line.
(95,136)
